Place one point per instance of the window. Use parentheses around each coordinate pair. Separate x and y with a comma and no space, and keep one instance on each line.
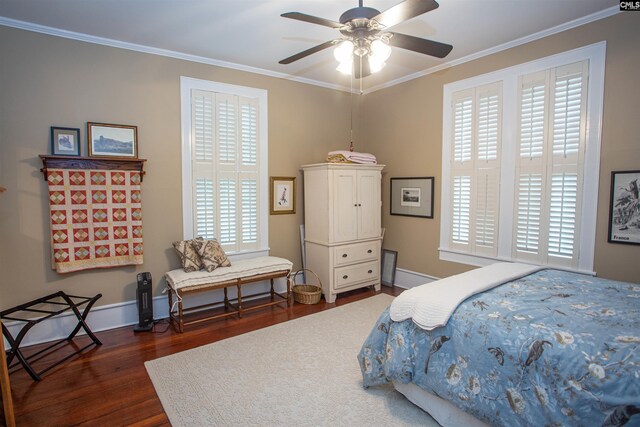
(475,171)
(550,148)
(224,150)
(520,146)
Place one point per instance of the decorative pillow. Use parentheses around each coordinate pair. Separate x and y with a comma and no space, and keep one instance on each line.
(188,255)
(211,254)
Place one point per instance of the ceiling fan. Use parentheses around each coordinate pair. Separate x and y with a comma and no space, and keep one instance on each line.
(365,35)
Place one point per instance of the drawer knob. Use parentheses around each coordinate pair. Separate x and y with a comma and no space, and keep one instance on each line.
(369,251)
(345,277)
(370,271)
(344,255)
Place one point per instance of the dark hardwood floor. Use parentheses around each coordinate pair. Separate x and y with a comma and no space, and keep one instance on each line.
(109,385)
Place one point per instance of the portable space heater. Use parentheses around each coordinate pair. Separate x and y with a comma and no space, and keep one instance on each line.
(145,303)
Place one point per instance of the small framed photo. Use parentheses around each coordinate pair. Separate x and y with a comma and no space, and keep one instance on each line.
(412,196)
(388,267)
(283,195)
(107,140)
(65,141)
(624,210)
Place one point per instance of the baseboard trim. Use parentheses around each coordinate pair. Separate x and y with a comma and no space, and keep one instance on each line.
(124,314)
(408,279)
(112,316)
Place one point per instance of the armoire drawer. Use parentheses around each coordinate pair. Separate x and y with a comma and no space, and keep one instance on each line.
(354,274)
(358,252)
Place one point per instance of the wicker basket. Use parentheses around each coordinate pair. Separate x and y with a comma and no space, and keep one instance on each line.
(305,293)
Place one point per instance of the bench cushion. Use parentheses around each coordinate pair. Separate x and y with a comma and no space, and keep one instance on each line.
(180,280)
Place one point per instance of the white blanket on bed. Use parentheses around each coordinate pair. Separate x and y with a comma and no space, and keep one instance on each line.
(430,305)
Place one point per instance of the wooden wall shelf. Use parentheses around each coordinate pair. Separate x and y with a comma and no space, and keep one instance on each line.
(67,162)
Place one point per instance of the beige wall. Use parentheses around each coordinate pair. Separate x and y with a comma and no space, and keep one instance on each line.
(403,127)
(48,81)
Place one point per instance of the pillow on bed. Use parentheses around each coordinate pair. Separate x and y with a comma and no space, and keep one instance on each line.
(211,254)
(188,254)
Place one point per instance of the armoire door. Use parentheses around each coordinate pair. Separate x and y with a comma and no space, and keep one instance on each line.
(345,220)
(368,204)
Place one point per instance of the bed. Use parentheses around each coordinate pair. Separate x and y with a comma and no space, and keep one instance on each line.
(549,348)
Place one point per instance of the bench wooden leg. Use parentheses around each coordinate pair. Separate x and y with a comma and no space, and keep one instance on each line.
(273,294)
(180,321)
(289,295)
(239,300)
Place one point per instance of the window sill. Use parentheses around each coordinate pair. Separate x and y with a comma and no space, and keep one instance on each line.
(481,261)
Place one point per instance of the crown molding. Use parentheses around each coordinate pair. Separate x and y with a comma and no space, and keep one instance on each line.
(605,13)
(43,29)
(28,26)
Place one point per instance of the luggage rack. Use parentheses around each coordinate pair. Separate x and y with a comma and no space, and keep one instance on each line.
(39,306)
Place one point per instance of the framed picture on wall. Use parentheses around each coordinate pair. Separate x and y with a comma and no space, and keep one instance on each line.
(107,140)
(624,209)
(283,195)
(412,196)
(65,141)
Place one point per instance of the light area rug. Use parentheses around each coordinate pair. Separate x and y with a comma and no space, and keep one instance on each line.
(303,372)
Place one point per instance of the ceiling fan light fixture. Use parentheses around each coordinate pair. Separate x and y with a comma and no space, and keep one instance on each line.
(364,36)
(345,67)
(344,51)
(375,64)
(380,50)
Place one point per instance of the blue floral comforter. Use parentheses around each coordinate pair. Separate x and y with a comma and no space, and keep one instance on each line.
(552,348)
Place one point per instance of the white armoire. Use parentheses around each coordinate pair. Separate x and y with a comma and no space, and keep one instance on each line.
(342,209)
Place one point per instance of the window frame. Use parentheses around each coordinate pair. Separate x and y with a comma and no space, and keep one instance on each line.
(187,84)
(596,55)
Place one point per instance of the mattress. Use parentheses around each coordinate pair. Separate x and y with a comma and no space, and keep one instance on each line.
(445,413)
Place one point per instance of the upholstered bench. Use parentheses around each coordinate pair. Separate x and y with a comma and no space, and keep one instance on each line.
(239,273)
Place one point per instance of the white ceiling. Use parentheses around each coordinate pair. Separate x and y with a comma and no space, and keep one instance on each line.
(251,35)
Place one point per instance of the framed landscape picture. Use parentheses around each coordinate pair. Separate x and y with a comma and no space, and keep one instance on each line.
(107,140)
(65,141)
(624,210)
(412,196)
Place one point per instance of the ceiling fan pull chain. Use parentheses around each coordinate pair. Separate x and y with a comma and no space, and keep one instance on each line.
(351,110)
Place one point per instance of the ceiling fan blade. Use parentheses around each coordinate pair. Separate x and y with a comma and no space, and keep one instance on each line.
(307,52)
(312,19)
(428,47)
(361,72)
(404,11)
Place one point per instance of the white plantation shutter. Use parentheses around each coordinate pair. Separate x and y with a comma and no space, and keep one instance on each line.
(249,172)
(226,169)
(520,146)
(204,209)
(462,170)
(528,214)
(227,129)
(486,211)
(463,128)
(549,165)
(249,132)
(475,161)
(227,212)
(204,189)
(249,210)
(461,209)
(563,214)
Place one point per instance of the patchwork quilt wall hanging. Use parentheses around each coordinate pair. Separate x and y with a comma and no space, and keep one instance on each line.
(96,218)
